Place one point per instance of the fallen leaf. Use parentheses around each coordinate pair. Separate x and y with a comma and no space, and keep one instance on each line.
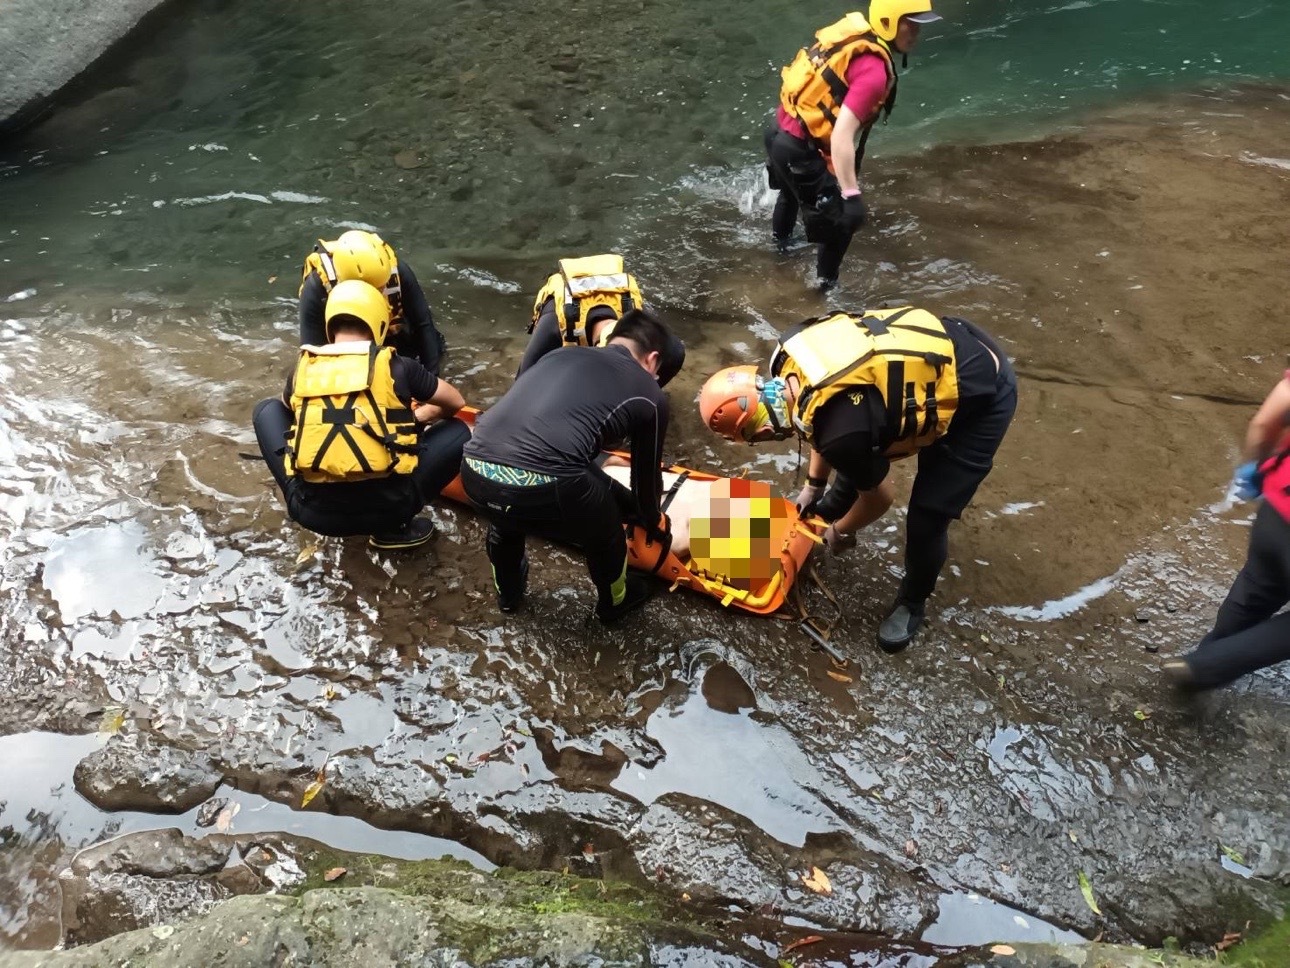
(225,818)
(839,663)
(1087,889)
(1229,939)
(273,278)
(911,848)
(817,881)
(450,759)
(800,943)
(306,554)
(335,874)
(1003,949)
(330,693)
(313,789)
(785,964)
(685,897)
(1141,715)
(113,720)
(838,676)
(1071,835)
(1231,854)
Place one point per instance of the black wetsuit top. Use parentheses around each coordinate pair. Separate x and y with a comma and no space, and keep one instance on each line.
(564,409)
(547,337)
(851,430)
(416,337)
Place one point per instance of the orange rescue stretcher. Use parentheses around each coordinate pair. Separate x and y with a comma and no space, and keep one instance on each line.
(790,542)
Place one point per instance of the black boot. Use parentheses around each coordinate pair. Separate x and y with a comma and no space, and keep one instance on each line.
(899,627)
(639,591)
(412,535)
(511,590)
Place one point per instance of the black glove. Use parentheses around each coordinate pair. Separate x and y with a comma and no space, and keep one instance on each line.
(854,213)
(662,531)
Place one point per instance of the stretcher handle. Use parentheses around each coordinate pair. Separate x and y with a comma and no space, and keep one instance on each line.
(820,640)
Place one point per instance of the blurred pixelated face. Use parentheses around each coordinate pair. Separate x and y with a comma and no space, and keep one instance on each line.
(739,538)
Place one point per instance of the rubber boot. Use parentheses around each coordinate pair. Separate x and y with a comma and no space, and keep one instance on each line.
(511,590)
(1178,671)
(899,627)
(412,535)
(638,592)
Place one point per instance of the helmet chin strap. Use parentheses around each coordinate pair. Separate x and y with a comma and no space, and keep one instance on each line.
(773,401)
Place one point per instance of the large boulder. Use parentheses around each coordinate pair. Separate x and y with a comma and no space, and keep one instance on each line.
(46,43)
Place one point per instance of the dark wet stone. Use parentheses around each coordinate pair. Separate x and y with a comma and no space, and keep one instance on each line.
(1200,901)
(209,811)
(133,772)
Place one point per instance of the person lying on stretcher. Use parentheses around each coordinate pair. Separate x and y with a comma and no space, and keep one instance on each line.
(731,528)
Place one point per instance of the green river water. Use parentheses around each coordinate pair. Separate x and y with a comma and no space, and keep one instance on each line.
(485,139)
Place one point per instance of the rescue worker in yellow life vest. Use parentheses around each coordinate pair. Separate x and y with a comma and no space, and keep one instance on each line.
(365,256)
(362,439)
(579,306)
(832,95)
(865,389)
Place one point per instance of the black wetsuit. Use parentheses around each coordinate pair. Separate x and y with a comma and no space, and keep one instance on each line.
(416,336)
(546,337)
(852,431)
(377,506)
(530,468)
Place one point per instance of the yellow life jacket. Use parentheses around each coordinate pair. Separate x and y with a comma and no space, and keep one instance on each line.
(815,83)
(319,263)
(349,423)
(904,353)
(585,284)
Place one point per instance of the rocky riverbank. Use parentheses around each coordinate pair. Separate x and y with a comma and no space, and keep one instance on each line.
(163,900)
(48,43)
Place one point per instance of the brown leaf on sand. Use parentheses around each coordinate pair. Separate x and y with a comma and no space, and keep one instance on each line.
(800,943)
(335,874)
(817,881)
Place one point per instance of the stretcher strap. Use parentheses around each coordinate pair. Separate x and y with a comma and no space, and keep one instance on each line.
(673,490)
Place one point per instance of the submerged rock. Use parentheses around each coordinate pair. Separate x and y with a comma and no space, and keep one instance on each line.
(133,772)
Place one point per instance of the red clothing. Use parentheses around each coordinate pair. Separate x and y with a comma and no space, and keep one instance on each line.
(1276,475)
(866,89)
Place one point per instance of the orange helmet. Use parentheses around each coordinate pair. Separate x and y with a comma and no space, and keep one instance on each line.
(730,399)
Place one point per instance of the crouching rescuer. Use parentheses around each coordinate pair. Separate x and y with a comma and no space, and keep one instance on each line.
(865,389)
(348,444)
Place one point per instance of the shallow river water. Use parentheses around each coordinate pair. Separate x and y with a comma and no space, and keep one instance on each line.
(1099,184)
